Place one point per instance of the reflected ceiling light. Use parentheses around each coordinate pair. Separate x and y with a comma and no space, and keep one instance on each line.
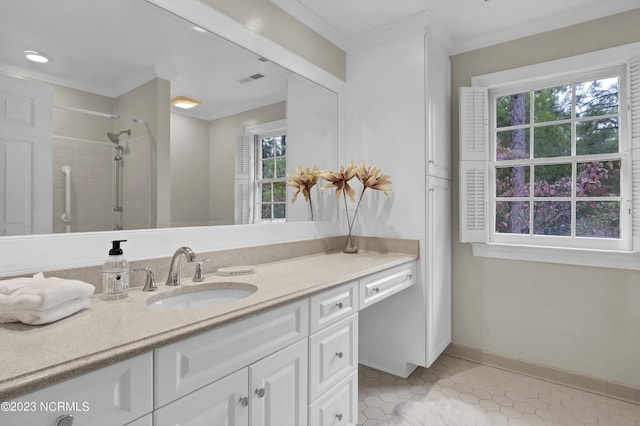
(199,29)
(36,56)
(184,102)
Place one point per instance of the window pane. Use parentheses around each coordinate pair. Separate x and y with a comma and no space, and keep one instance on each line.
(281,167)
(512,110)
(512,217)
(552,218)
(598,97)
(553,180)
(266,192)
(268,169)
(512,181)
(281,145)
(266,211)
(279,211)
(267,147)
(600,219)
(552,141)
(598,179)
(552,104)
(597,136)
(512,144)
(279,191)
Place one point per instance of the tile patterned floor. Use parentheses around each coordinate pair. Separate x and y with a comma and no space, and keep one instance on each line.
(507,398)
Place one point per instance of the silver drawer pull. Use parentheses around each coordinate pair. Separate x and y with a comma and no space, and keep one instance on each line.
(409,276)
(260,392)
(339,305)
(339,416)
(340,354)
(375,290)
(244,401)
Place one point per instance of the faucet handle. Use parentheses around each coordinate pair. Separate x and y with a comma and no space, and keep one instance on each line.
(150,282)
(199,276)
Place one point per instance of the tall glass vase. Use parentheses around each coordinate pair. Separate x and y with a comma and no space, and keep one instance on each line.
(351,243)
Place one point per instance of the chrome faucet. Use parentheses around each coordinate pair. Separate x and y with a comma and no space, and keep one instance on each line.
(174,269)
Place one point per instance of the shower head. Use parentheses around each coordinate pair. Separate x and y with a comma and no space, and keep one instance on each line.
(115,137)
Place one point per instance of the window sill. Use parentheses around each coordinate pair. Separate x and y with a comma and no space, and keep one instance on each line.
(567,256)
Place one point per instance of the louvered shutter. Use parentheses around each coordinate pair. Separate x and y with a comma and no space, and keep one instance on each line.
(242,186)
(634,84)
(473,164)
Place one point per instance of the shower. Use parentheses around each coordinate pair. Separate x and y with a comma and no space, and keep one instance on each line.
(115,138)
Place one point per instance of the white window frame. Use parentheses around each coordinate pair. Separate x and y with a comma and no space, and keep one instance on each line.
(273,128)
(475,171)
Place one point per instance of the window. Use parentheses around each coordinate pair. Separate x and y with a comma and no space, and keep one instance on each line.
(550,160)
(557,167)
(271,177)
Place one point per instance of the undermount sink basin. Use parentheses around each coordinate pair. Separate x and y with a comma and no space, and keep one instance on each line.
(201,296)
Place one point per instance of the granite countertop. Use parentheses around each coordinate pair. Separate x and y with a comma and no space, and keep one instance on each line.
(111,331)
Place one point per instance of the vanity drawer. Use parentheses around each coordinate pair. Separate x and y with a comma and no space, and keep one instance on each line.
(192,363)
(332,305)
(338,407)
(333,354)
(381,285)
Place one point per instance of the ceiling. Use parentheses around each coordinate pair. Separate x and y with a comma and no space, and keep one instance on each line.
(110,47)
(469,24)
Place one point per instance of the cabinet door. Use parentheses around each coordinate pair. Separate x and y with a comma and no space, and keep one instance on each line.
(222,403)
(438,268)
(114,395)
(333,354)
(278,388)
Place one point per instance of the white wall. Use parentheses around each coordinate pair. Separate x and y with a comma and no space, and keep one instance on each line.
(579,319)
(189,171)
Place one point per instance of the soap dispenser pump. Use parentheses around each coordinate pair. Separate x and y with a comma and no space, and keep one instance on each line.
(115,274)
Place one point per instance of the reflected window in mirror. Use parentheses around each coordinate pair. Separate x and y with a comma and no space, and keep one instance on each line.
(271,172)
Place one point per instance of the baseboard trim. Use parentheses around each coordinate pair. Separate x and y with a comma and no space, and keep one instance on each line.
(567,378)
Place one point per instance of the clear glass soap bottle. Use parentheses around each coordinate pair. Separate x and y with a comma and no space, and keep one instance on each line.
(115,274)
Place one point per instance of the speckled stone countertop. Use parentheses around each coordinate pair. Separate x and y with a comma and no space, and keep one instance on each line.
(107,332)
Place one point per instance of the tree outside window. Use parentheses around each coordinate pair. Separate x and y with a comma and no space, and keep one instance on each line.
(558,161)
(271,167)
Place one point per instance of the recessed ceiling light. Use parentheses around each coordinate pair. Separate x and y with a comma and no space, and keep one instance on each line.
(36,56)
(184,102)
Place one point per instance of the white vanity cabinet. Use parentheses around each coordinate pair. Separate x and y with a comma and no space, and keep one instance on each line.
(114,395)
(333,356)
(250,372)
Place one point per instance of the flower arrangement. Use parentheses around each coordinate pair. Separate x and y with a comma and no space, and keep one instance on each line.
(369,177)
(303,182)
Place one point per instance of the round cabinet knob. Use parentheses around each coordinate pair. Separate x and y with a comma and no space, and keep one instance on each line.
(339,305)
(244,401)
(409,276)
(339,416)
(260,392)
(375,290)
(340,354)
(64,420)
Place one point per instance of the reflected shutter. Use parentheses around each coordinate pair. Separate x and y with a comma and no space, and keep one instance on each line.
(473,164)
(242,184)
(634,102)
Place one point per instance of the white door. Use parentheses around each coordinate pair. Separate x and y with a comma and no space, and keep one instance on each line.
(25,157)
(278,388)
(222,403)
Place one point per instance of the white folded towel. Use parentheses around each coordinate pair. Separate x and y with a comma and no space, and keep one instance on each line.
(55,313)
(39,293)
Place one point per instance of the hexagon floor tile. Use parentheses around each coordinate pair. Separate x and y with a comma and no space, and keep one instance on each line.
(507,398)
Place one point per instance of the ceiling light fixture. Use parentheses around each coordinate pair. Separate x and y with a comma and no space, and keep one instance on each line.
(184,102)
(35,56)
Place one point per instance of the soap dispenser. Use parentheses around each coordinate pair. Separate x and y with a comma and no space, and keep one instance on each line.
(115,274)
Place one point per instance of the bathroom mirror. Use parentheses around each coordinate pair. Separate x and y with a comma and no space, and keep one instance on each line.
(132,160)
